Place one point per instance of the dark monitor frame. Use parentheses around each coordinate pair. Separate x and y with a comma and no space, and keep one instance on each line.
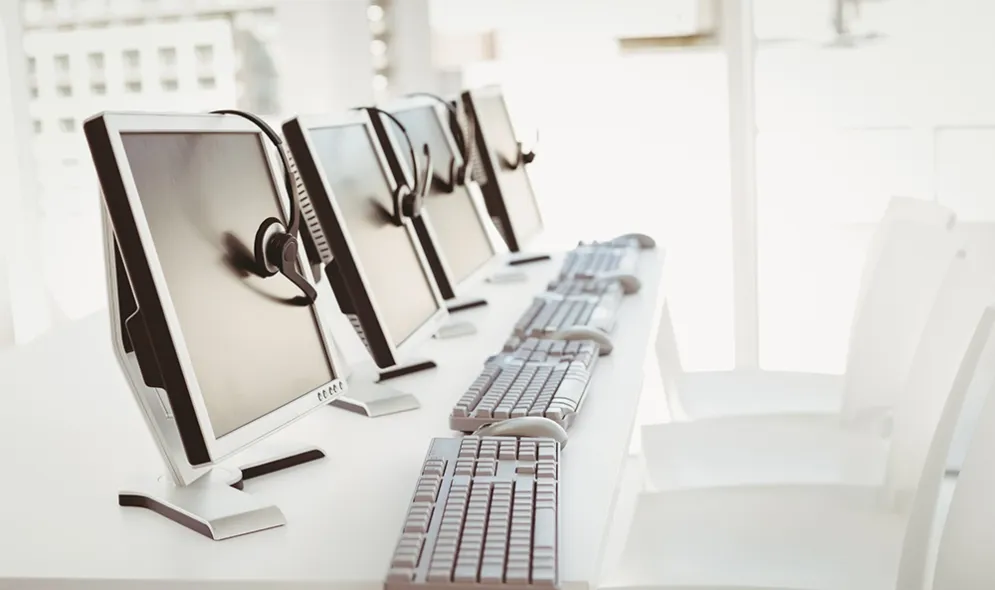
(145,329)
(395,150)
(490,161)
(345,272)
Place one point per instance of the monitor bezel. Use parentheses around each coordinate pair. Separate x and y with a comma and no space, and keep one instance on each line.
(486,224)
(306,124)
(126,214)
(492,190)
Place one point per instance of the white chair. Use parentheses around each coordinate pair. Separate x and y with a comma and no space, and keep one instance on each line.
(758,450)
(906,261)
(750,539)
(964,559)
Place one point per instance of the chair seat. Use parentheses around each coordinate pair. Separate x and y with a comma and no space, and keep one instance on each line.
(715,394)
(758,539)
(762,450)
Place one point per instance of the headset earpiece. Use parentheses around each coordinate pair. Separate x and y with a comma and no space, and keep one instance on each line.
(403,197)
(268,229)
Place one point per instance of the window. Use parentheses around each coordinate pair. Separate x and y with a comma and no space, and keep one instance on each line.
(167,56)
(47,6)
(170,85)
(204,54)
(32,65)
(132,59)
(67,125)
(206,83)
(133,87)
(62,64)
(98,88)
(96,61)
(64,90)
(36,124)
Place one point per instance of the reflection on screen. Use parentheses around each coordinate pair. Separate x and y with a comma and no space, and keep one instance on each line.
(385,251)
(204,195)
(492,113)
(458,229)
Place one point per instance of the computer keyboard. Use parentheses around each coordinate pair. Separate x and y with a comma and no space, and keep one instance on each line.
(546,378)
(485,512)
(574,286)
(589,261)
(550,313)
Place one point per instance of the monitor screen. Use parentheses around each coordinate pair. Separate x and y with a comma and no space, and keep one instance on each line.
(204,195)
(399,284)
(459,231)
(516,190)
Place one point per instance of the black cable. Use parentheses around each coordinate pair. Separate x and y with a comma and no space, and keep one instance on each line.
(411,146)
(466,141)
(294,223)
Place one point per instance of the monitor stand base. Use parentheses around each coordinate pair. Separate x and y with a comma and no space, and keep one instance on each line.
(527,258)
(369,396)
(508,276)
(215,505)
(464,303)
(455,330)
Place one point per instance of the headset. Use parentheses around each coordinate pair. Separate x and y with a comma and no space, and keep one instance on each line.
(522,157)
(276,245)
(408,199)
(459,175)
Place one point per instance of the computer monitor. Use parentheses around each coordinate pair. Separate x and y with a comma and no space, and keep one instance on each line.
(218,356)
(378,269)
(504,179)
(458,237)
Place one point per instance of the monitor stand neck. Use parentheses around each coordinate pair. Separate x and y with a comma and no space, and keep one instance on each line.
(214,505)
(368,395)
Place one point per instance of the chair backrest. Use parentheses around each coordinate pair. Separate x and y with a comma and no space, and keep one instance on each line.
(899,210)
(967,289)
(981,240)
(915,548)
(912,259)
(967,544)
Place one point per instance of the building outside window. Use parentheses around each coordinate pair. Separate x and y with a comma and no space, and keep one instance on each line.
(61,64)
(167,56)
(132,59)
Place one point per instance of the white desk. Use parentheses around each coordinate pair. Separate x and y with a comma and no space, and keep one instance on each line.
(71,436)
